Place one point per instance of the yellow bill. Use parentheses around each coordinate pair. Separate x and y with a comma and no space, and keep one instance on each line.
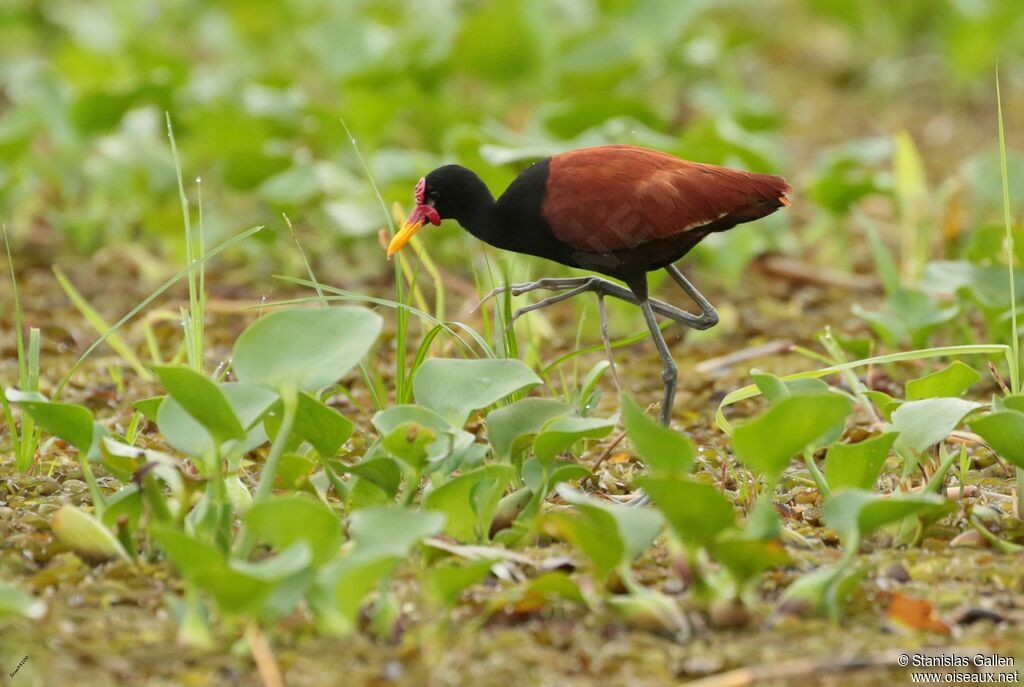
(412,225)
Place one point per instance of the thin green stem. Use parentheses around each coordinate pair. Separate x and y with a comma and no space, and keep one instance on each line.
(290,401)
(819,479)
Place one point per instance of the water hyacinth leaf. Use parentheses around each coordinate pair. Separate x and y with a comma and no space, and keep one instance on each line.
(768,442)
(594,533)
(1004,432)
(447,581)
(952,380)
(202,399)
(126,503)
(294,471)
(696,512)
(187,554)
(15,601)
(322,426)
(186,434)
(536,593)
(450,440)
(822,591)
(663,450)
(234,591)
(455,387)
(857,465)
(775,388)
(470,500)
(383,473)
(341,587)
(855,513)
(408,443)
(511,429)
(560,433)
(542,476)
(284,520)
(929,421)
(651,611)
(295,558)
(637,527)
(149,407)
(907,314)
(72,423)
(885,403)
(392,531)
(1011,402)
(83,533)
(304,349)
(747,558)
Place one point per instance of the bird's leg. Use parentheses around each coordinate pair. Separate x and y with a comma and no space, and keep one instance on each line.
(551,283)
(582,288)
(669,371)
(709,316)
(603,316)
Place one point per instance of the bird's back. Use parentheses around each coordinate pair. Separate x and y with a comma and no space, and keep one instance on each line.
(619,199)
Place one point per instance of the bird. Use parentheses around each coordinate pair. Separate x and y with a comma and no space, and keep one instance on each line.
(618,210)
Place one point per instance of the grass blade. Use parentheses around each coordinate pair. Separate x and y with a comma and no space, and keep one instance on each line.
(149,299)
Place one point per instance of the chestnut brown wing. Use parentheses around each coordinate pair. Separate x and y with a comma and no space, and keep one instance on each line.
(615,198)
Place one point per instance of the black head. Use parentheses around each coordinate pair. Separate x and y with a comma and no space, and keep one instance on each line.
(449,192)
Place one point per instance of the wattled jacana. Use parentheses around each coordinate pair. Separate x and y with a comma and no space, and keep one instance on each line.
(618,210)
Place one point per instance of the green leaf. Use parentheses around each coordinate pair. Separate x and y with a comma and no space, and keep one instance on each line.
(149,407)
(747,558)
(768,442)
(470,501)
(202,399)
(560,433)
(304,349)
(341,587)
(72,423)
(381,472)
(857,465)
(538,592)
(775,388)
(696,512)
(907,314)
(83,533)
(182,431)
(1004,432)
(296,557)
(952,380)
(450,440)
(14,601)
(592,533)
(284,520)
(447,581)
(664,451)
(855,513)
(637,527)
(408,443)
(454,387)
(391,531)
(322,426)
(926,422)
(512,428)
(187,554)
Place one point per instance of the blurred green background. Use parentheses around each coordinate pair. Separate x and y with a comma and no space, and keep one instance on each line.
(816,90)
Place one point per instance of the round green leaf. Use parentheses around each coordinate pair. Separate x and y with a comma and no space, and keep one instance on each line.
(453,387)
(304,349)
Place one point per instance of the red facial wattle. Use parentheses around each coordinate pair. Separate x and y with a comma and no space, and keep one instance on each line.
(423,209)
(423,212)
